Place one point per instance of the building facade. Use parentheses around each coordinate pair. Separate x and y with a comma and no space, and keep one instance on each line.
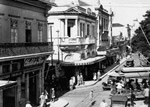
(23,50)
(103,28)
(74,34)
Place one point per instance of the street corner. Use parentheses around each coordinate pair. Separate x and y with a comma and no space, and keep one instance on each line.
(59,103)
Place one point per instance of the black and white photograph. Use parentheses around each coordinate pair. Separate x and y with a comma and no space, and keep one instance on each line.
(74,53)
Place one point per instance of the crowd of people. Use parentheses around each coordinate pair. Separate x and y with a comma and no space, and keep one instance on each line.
(130,87)
(43,99)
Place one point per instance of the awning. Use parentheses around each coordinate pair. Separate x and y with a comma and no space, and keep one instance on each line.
(4,83)
(137,75)
(101,52)
(135,69)
(115,74)
(88,61)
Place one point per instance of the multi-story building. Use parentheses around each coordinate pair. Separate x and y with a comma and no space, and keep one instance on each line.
(23,50)
(74,34)
(103,40)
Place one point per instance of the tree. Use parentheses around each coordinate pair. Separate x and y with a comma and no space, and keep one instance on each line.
(139,42)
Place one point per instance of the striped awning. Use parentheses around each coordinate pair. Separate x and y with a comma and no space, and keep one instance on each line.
(88,61)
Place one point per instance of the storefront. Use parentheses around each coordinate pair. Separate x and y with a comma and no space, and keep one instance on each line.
(28,74)
(8,93)
(86,67)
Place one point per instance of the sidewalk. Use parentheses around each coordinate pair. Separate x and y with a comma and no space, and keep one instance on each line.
(107,70)
(59,103)
(64,103)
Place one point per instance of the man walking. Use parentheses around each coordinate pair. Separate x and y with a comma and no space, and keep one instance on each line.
(146,95)
(103,103)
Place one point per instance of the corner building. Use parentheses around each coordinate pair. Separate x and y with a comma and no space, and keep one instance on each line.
(23,50)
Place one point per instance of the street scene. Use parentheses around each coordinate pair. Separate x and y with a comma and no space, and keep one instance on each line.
(74,53)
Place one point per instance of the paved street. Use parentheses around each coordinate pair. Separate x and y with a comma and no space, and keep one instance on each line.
(80,96)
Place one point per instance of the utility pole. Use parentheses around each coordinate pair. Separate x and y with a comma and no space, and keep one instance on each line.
(111,35)
(58,44)
(129,33)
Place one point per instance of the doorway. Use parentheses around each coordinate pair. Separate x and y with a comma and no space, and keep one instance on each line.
(9,99)
(33,87)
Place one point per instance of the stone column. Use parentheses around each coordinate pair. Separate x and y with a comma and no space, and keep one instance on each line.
(38,86)
(77,28)
(19,89)
(27,87)
(1,98)
(66,27)
(42,75)
(40,83)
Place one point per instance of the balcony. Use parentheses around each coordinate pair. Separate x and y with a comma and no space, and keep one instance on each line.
(77,41)
(15,49)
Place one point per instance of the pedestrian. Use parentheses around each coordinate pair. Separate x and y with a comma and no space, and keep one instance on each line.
(78,79)
(71,83)
(74,81)
(119,87)
(98,74)
(103,103)
(91,95)
(28,104)
(94,76)
(46,95)
(132,98)
(81,78)
(42,99)
(146,95)
(53,95)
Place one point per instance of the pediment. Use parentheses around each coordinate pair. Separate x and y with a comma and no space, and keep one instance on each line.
(73,10)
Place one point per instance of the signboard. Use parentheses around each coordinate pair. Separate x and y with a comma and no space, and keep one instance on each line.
(33,61)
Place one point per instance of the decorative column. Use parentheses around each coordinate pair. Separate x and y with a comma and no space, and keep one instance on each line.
(38,86)
(19,89)
(40,83)
(42,75)
(1,98)
(27,87)
(77,28)
(66,27)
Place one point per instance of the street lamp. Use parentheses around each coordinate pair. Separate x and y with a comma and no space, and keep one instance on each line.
(58,43)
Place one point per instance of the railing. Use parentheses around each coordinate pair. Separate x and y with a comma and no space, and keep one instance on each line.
(77,40)
(14,49)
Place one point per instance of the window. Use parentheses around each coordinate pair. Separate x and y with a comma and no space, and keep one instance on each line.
(6,68)
(81,34)
(14,30)
(83,29)
(28,32)
(88,29)
(93,29)
(40,32)
(14,67)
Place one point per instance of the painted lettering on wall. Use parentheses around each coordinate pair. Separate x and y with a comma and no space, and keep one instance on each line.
(33,61)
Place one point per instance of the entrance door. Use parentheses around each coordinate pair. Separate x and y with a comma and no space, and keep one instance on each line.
(32,87)
(9,99)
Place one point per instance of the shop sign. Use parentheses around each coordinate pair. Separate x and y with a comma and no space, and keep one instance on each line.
(33,61)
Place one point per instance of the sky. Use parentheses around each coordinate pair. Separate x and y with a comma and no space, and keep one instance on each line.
(125,11)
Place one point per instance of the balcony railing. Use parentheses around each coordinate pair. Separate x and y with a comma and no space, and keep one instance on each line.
(77,40)
(14,49)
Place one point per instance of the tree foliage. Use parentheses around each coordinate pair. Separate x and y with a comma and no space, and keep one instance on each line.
(139,42)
